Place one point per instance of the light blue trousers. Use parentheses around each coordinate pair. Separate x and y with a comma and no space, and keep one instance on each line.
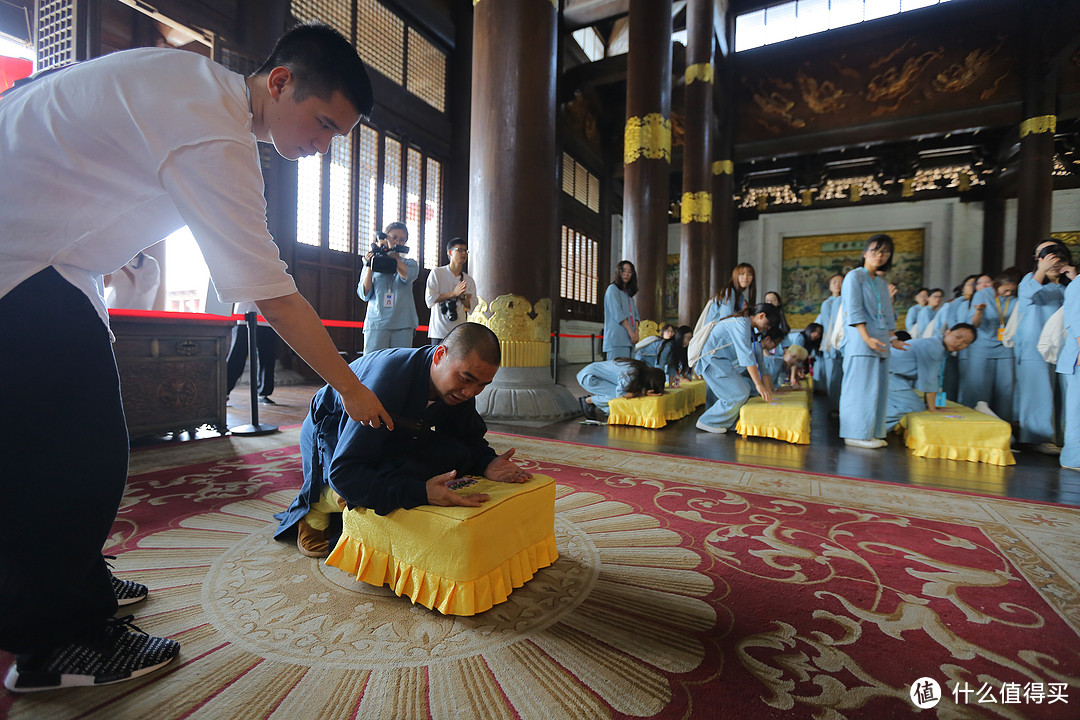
(382,339)
(902,400)
(732,391)
(864,397)
(989,380)
(1036,401)
(618,351)
(601,389)
(832,377)
(1070,450)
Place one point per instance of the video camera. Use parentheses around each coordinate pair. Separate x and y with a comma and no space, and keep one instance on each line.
(381,262)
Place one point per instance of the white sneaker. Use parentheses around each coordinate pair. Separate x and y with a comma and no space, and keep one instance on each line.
(868,444)
(710,428)
(982,407)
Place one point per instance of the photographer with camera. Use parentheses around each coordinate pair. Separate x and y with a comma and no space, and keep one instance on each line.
(450,292)
(386,286)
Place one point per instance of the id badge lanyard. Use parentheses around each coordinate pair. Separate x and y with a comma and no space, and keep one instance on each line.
(877,296)
(939,396)
(1001,316)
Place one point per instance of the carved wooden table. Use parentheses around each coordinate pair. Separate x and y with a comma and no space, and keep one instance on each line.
(172,371)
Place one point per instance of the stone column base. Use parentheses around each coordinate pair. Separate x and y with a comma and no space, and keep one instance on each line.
(525,396)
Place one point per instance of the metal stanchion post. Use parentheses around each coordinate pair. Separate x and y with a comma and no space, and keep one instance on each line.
(592,346)
(253,380)
(555,357)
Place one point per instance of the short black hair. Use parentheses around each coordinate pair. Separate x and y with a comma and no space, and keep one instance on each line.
(966,326)
(876,241)
(454,242)
(322,61)
(396,226)
(470,337)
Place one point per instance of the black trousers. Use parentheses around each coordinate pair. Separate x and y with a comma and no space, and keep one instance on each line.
(64,449)
(265,351)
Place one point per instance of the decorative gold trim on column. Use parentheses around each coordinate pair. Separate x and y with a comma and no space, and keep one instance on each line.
(1037,125)
(855,193)
(523,329)
(723,167)
(648,137)
(907,187)
(807,197)
(696,207)
(700,71)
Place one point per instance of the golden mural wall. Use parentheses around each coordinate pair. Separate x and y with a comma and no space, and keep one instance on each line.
(809,261)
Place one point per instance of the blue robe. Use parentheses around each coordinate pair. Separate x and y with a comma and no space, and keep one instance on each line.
(832,362)
(721,308)
(391,309)
(605,381)
(1066,368)
(864,395)
(648,354)
(728,349)
(1036,396)
(954,312)
(381,469)
(988,373)
(618,306)
(913,373)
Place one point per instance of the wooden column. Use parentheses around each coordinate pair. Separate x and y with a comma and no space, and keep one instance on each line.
(1036,186)
(513,221)
(647,150)
(697,198)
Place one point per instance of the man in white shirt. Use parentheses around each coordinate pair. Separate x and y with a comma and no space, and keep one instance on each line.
(135,285)
(100,160)
(450,292)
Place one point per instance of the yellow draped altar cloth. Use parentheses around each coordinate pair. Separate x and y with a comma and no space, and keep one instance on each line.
(956,432)
(785,417)
(457,560)
(654,411)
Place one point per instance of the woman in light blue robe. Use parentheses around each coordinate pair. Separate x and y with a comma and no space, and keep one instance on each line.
(620,313)
(958,311)
(871,324)
(1037,396)
(728,349)
(988,374)
(391,318)
(737,294)
(610,379)
(916,373)
(1066,369)
(832,362)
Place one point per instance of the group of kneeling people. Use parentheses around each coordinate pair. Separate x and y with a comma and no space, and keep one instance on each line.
(873,374)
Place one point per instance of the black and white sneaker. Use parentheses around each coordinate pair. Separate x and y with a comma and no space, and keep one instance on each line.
(127,592)
(119,652)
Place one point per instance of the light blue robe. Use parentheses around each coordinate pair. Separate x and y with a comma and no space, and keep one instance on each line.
(913,373)
(724,307)
(1036,397)
(1066,369)
(864,395)
(618,306)
(728,349)
(911,317)
(988,373)
(648,354)
(956,311)
(832,362)
(391,315)
(605,380)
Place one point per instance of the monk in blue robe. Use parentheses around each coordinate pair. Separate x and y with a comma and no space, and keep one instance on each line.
(438,435)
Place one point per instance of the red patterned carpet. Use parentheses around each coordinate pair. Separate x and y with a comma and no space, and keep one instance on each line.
(684,589)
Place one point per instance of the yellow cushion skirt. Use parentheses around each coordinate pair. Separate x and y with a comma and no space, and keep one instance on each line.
(654,411)
(457,560)
(785,417)
(957,432)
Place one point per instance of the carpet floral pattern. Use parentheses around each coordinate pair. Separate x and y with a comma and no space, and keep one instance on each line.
(684,589)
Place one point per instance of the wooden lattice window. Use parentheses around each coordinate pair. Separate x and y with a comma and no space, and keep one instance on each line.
(579,267)
(340,156)
(55,33)
(309,200)
(426,75)
(367,187)
(412,200)
(580,184)
(380,39)
(335,13)
(432,214)
(391,190)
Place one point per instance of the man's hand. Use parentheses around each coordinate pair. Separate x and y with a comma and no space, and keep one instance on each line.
(504,469)
(363,407)
(439,494)
(459,289)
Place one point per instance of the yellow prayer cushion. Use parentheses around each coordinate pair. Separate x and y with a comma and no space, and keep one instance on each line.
(654,411)
(785,417)
(457,560)
(957,432)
